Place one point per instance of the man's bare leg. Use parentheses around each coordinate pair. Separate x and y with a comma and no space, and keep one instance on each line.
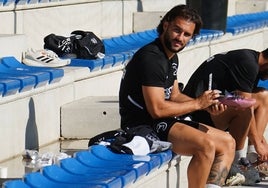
(212,153)
(261,118)
(225,150)
(236,122)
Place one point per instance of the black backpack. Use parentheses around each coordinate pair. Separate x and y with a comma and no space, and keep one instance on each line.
(87,45)
(83,44)
(59,44)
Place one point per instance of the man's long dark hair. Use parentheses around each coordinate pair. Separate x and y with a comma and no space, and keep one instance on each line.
(184,12)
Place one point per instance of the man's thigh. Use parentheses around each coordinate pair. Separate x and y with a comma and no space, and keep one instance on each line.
(187,140)
(231,117)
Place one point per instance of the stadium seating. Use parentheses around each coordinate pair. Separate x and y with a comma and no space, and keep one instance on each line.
(117,170)
(17,77)
(119,50)
(243,23)
(97,167)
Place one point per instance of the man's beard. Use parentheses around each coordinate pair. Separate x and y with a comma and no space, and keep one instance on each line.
(168,44)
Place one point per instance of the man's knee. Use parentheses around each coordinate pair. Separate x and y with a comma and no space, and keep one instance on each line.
(230,142)
(261,97)
(207,149)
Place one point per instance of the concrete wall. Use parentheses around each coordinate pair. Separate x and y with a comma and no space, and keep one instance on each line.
(38,20)
(251,6)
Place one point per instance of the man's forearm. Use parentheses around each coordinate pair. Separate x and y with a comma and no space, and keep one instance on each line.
(181,98)
(253,135)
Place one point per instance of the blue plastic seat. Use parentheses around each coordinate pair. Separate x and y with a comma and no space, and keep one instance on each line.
(212,34)
(89,159)
(56,74)
(33,1)
(58,174)
(108,61)
(263,84)
(138,40)
(164,156)
(103,152)
(15,184)
(152,160)
(21,2)
(8,2)
(2,89)
(111,47)
(45,1)
(41,78)
(119,59)
(149,34)
(26,82)
(152,32)
(119,42)
(72,165)
(37,180)
(196,39)
(190,42)
(241,23)
(92,64)
(115,51)
(133,41)
(9,86)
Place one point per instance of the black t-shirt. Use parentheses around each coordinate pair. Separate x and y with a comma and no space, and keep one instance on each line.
(149,67)
(233,70)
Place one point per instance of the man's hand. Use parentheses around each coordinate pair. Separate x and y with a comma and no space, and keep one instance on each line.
(208,98)
(262,150)
(216,109)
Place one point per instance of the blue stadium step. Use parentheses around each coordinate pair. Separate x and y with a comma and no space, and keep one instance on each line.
(263,84)
(8,2)
(87,158)
(15,184)
(41,78)
(55,74)
(241,23)
(26,82)
(58,174)
(92,64)
(97,167)
(152,160)
(9,86)
(36,179)
(73,166)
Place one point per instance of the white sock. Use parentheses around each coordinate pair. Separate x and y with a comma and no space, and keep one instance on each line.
(251,149)
(212,186)
(238,155)
(252,155)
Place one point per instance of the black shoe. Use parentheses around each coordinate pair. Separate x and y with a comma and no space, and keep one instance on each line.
(245,168)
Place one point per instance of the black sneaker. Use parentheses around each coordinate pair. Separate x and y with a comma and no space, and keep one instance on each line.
(245,168)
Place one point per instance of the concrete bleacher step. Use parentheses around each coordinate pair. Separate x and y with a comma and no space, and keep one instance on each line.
(12,45)
(87,117)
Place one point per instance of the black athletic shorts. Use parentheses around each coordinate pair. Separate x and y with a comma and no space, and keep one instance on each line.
(202,116)
(162,127)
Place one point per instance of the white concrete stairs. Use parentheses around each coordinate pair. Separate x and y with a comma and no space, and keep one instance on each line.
(89,116)
(12,45)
